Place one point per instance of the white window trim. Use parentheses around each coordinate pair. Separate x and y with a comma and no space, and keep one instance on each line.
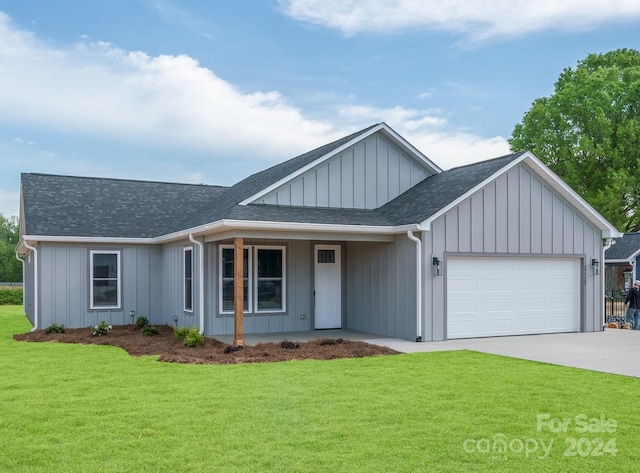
(184,279)
(249,309)
(118,254)
(284,279)
(252,300)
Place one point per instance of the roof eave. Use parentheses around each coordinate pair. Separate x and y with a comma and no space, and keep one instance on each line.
(229,224)
(619,260)
(216,227)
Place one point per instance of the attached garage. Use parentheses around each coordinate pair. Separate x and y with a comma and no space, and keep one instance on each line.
(498,296)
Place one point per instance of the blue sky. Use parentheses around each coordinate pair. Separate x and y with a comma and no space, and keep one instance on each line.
(211,92)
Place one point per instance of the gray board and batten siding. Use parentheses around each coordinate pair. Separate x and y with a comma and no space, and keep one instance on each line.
(514,215)
(63,291)
(361,192)
(364,176)
(381,287)
(298,292)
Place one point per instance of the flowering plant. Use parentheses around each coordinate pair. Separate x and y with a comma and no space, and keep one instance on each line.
(101,329)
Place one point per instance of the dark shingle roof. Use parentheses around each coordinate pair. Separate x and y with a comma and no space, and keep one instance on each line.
(94,207)
(436,192)
(624,247)
(261,180)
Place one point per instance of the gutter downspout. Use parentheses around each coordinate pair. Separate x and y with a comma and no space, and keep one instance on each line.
(200,280)
(23,278)
(36,319)
(418,243)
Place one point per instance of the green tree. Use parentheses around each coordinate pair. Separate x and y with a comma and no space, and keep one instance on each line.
(10,267)
(588,132)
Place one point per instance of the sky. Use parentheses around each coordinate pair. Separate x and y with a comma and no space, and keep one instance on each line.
(211,92)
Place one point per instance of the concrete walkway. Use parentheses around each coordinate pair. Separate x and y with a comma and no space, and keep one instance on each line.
(612,351)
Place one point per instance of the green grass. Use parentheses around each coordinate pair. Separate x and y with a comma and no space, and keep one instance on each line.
(73,408)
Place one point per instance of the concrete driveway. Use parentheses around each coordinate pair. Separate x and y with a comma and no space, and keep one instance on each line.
(612,351)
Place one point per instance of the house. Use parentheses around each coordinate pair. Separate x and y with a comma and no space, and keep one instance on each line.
(364,233)
(621,262)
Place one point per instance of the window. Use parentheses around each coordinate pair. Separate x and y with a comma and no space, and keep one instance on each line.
(226,278)
(269,278)
(188,278)
(263,275)
(105,286)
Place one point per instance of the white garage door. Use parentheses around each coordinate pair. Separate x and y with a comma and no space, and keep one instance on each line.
(489,297)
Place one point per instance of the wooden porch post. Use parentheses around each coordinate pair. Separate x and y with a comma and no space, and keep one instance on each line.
(238,292)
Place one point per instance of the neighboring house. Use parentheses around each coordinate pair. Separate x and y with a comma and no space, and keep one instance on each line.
(365,233)
(621,263)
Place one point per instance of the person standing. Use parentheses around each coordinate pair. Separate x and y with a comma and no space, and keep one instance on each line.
(633,309)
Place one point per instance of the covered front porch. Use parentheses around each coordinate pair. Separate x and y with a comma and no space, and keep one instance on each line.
(309,286)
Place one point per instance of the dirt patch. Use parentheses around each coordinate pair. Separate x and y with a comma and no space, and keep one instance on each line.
(170,349)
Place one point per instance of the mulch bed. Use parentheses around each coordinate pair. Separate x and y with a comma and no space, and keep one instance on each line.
(170,349)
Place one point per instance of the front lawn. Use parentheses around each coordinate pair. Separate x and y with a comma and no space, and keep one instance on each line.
(75,408)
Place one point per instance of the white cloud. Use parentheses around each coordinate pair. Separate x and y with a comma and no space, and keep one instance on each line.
(479,19)
(427,130)
(96,96)
(97,88)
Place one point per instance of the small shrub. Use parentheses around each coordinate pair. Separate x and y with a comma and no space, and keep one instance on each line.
(194,338)
(54,328)
(142,322)
(288,345)
(102,328)
(181,333)
(150,331)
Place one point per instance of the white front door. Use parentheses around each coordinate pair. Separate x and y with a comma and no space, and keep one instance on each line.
(328,287)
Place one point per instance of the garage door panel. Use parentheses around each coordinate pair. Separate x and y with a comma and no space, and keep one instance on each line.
(526,324)
(512,296)
(487,306)
(468,328)
(496,327)
(462,307)
(493,284)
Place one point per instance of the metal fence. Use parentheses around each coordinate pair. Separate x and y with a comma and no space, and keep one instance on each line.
(10,285)
(615,307)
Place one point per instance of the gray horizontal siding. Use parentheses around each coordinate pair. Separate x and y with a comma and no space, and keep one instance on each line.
(365,176)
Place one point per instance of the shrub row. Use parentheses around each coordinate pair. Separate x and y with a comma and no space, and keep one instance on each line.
(10,296)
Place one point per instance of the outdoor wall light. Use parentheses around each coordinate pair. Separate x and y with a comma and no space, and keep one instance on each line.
(595,264)
(132,313)
(437,266)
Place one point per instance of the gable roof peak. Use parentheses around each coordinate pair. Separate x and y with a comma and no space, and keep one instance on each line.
(261,183)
